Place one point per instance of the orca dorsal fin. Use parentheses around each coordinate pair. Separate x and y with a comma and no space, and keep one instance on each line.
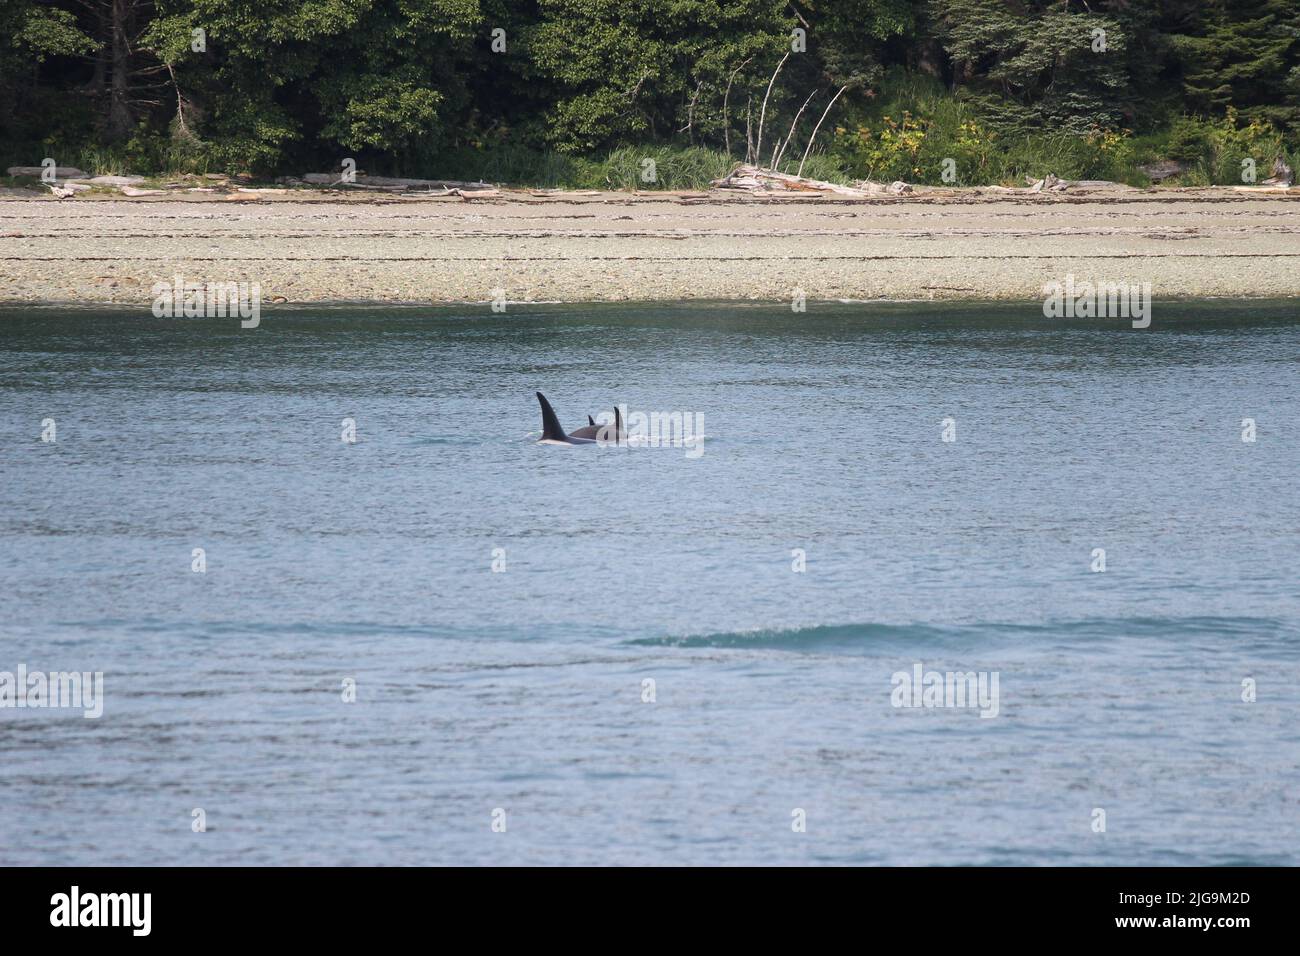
(618,422)
(551,430)
(590,420)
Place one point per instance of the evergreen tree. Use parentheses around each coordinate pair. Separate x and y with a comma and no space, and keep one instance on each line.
(1244,54)
(1047,68)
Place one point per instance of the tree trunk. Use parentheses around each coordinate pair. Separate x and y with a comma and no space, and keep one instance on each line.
(930,58)
(120,119)
(95,86)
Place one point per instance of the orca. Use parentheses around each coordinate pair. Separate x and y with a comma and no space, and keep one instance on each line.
(586,431)
(589,434)
(599,432)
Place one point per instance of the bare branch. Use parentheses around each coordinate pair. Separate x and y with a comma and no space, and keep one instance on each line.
(763,112)
(726,118)
(180,104)
(690,113)
(790,135)
(749,128)
(818,127)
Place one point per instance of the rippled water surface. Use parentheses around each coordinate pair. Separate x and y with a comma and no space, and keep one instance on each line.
(523,690)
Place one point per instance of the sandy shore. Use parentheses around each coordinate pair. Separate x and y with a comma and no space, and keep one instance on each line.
(312,247)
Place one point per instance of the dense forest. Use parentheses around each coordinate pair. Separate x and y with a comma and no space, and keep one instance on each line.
(556,92)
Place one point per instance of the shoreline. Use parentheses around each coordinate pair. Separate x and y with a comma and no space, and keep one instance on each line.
(320,248)
(540,306)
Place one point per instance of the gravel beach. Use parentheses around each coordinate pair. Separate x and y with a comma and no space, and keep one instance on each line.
(320,247)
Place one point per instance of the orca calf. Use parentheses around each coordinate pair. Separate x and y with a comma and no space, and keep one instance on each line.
(588,430)
(602,432)
(589,434)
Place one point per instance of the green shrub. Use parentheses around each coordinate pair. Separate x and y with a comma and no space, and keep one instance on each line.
(1231,146)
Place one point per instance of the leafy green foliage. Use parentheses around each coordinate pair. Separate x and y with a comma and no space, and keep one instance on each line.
(585,90)
(916,127)
(630,69)
(43,32)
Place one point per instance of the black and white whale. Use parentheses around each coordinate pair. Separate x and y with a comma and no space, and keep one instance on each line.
(589,434)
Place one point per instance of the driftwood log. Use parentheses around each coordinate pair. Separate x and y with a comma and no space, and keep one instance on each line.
(1165,169)
(394,184)
(1282,175)
(1051,182)
(755,178)
(60,172)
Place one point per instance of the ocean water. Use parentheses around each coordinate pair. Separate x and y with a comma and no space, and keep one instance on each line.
(519,696)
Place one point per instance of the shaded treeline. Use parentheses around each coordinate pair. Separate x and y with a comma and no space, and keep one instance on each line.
(408,86)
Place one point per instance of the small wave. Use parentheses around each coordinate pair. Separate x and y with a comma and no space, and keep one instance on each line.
(803,638)
(849,636)
(448,440)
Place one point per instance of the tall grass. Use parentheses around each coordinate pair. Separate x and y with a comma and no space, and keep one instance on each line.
(650,167)
(158,157)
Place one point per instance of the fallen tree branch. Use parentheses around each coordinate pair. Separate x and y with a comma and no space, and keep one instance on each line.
(755,178)
(394,183)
